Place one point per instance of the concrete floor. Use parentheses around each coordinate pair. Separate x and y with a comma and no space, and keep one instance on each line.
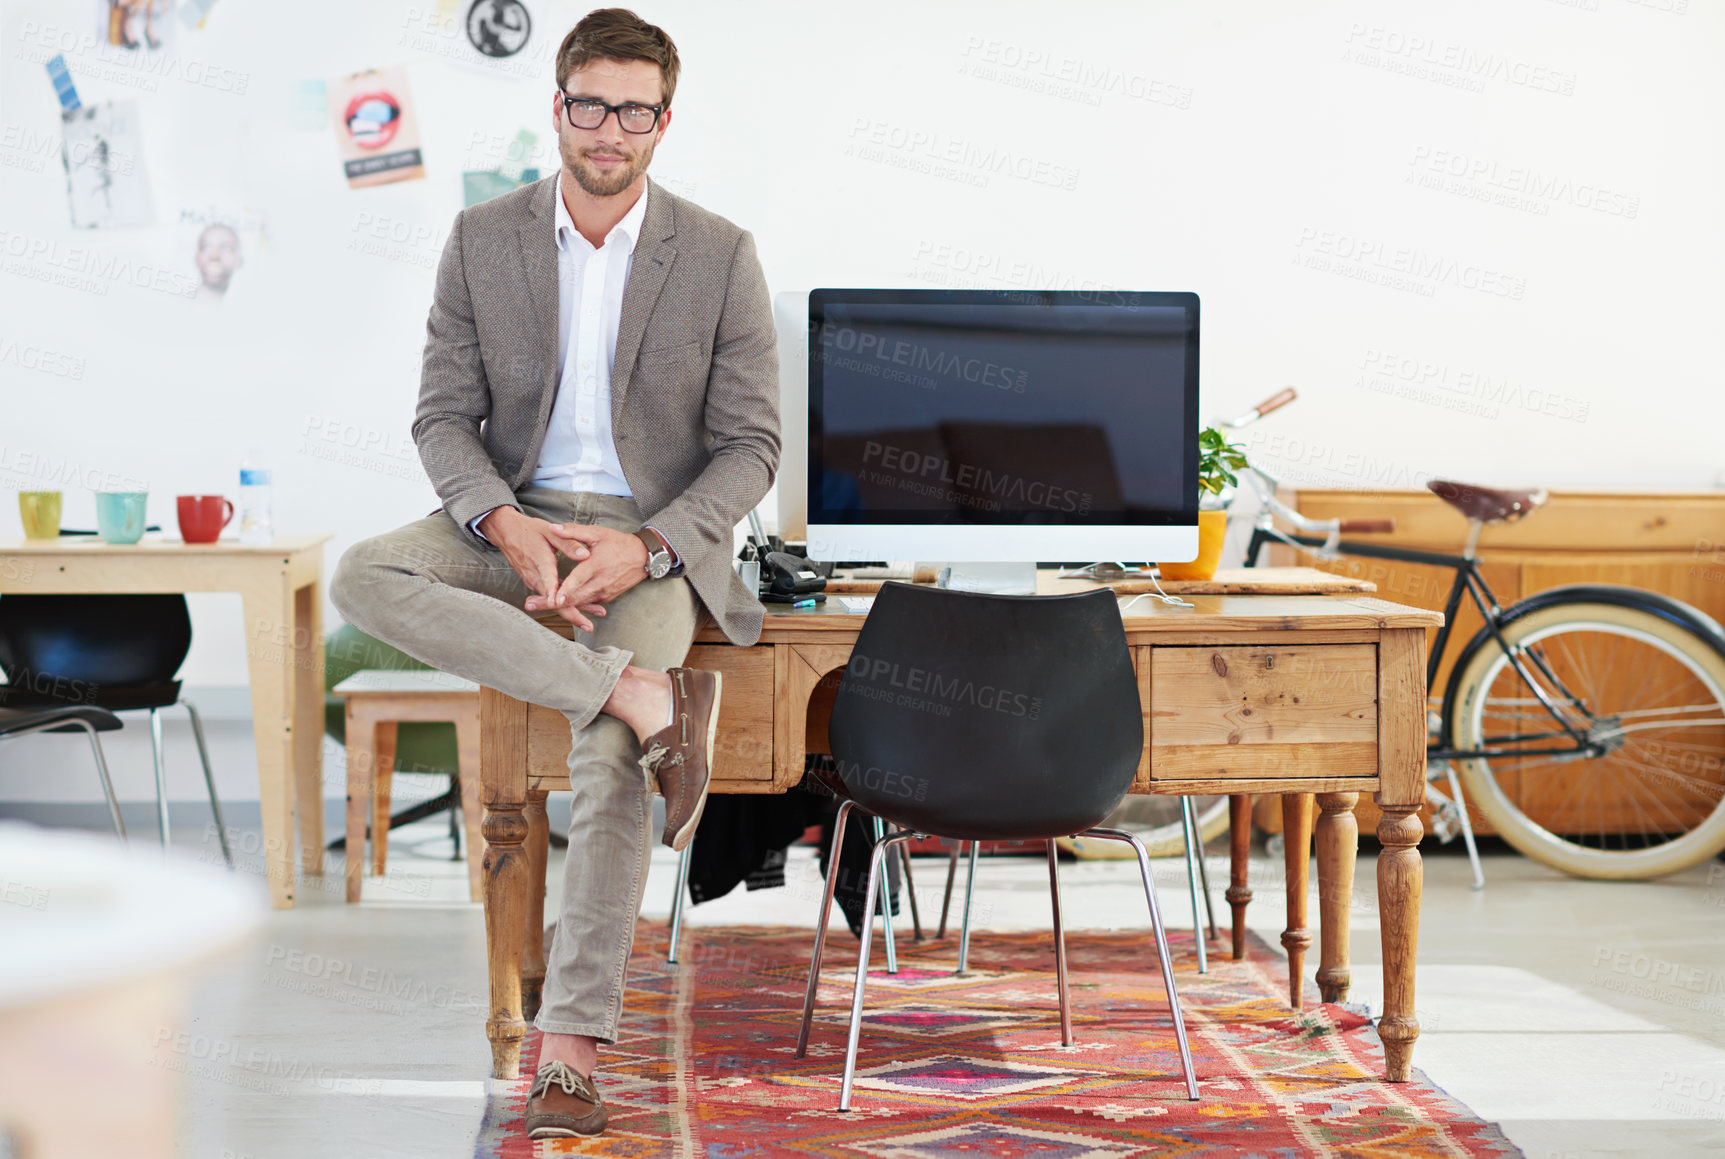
(1587,1018)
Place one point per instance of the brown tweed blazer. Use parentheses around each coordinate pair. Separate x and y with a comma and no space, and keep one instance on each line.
(694,388)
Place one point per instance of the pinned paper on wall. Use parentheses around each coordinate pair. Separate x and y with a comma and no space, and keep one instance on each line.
(516,155)
(218,244)
(377,131)
(483,184)
(193,13)
(498,29)
(102,150)
(499,37)
(136,25)
(64,90)
(309,110)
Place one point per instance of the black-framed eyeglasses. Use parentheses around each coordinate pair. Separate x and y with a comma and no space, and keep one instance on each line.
(587,113)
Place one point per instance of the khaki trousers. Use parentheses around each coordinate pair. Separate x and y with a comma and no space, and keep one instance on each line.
(429,591)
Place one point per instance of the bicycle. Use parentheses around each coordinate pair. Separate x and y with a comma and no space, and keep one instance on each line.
(1587,721)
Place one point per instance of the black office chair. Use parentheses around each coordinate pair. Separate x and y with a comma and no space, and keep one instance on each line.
(987,718)
(17,722)
(116,652)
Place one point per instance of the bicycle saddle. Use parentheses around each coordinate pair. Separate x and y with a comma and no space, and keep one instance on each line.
(1486,504)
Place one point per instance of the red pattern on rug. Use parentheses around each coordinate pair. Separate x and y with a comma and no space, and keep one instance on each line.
(972,1066)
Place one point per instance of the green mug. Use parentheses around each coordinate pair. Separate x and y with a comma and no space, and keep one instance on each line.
(41,514)
(120,515)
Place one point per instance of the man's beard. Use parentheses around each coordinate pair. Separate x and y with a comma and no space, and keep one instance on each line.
(600,183)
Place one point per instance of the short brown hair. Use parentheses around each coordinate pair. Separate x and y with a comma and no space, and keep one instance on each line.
(618,34)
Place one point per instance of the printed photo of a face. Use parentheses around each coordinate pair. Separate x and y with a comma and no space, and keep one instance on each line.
(217,258)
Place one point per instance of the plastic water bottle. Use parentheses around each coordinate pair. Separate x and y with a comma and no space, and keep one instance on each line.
(255,526)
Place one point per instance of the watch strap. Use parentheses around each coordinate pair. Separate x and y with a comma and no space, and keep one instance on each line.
(657,547)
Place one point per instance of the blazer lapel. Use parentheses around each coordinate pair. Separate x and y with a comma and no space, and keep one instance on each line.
(539,266)
(647,275)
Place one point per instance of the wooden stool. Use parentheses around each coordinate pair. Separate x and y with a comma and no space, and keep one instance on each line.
(377,700)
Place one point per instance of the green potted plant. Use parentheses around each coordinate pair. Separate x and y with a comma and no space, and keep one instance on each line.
(1218,459)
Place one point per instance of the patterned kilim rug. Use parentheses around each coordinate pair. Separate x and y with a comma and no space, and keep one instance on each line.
(972,1067)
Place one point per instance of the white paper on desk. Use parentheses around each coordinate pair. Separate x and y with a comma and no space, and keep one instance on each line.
(857,603)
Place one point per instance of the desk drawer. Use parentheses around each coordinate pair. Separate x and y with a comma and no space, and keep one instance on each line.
(1272,712)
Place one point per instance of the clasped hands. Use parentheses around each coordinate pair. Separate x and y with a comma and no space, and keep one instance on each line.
(607,563)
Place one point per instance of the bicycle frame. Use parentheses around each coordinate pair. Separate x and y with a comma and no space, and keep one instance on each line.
(1468,580)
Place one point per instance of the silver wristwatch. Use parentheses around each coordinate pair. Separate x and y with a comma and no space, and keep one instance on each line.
(658,554)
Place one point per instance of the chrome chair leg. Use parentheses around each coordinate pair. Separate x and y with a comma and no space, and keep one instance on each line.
(209,778)
(1466,828)
(821,926)
(101,763)
(951,876)
(1161,950)
(1203,868)
(1191,835)
(161,773)
(1059,946)
(107,781)
(910,892)
(885,903)
(876,871)
(964,922)
(682,888)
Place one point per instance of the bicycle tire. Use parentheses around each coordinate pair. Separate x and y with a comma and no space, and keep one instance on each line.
(1684,660)
(1164,839)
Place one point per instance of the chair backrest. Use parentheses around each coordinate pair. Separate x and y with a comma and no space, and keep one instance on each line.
(989,717)
(105,640)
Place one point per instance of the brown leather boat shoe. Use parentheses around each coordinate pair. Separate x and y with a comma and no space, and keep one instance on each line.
(681,755)
(563,1103)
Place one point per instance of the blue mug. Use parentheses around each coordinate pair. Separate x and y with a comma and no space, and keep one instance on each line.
(120,515)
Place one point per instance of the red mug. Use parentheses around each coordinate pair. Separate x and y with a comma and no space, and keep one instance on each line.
(202,517)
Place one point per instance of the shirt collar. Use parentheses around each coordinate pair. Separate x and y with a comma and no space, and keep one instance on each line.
(629,228)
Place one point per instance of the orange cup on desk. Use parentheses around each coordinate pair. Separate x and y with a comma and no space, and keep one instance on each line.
(202,517)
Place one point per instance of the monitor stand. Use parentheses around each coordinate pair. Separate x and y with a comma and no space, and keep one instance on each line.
(1000,579)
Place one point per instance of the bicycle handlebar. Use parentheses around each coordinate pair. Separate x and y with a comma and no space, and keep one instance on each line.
(1276,401)
(1280,399)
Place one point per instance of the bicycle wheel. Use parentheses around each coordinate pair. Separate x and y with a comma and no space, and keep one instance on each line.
(1156,822)
(1653,801)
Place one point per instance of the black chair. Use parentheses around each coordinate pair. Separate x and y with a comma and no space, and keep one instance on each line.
(116,652)
(16,722)
(985,718)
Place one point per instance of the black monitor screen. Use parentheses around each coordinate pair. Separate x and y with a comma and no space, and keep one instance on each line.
(1002,407)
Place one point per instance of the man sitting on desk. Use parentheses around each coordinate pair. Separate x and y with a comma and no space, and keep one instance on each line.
(601,384)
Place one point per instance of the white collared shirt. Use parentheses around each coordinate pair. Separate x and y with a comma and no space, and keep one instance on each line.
(579,452)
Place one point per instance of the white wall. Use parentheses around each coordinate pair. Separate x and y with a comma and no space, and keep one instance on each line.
(1273,157)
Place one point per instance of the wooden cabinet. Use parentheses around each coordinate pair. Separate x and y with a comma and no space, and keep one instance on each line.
(1673,544)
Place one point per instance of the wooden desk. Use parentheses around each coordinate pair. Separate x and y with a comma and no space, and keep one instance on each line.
(1243,694)
(280,586)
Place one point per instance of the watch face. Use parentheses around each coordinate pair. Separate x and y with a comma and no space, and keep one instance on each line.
(658,565)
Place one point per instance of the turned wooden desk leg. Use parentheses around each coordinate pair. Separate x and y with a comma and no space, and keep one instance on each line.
(1401,876)
(1239,893)
(1338,841)
(533,924)
(1296,850)
(503,772)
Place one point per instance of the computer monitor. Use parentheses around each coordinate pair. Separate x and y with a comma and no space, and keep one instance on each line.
(995,425)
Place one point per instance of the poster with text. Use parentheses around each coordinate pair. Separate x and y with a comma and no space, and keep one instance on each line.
(376,129)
